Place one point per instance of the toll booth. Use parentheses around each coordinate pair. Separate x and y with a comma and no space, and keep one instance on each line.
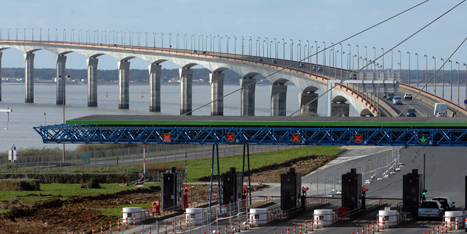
(291,183)
(351,190)
(231,186)
(412,192)
(172,190)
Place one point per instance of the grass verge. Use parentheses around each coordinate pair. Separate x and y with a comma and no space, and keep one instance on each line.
(62,191)
(202,167)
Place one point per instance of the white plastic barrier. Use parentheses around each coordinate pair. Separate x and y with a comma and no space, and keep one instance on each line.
(388,218)
(131,213)
(259,215)
(194,215)
(450,218)
(324,217)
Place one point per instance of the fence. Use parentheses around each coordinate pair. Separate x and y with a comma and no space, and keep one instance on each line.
(134,155)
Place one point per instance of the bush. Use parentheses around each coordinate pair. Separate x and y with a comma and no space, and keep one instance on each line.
(20,185)
(93,183)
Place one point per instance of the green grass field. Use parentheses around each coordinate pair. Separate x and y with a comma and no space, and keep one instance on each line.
(196,169)
(202,167)
(59,190)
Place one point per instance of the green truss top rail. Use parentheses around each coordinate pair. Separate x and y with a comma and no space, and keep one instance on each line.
(266,121)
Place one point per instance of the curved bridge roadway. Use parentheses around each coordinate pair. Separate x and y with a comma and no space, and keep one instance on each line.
(277,72)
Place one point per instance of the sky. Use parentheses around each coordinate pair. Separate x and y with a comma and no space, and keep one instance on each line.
(328,21)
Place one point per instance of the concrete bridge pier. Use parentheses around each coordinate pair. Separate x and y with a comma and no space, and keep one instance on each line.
(124,84)
(186,90)
(155,87)
(340,109)
(217,92)
(1,76)
(247,105)
(61,70)
(92,81)
(278,99)
(307,105)
(29,76)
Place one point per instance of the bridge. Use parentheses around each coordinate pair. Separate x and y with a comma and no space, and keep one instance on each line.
(134,129)
(311,78)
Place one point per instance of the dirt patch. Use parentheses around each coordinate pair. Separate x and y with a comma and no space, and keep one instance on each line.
(78,213)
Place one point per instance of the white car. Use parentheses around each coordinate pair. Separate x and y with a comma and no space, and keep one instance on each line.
(379,179)
(398,169)
(392,173)
(338,192)
(329,195)
(386,176)
(367,182)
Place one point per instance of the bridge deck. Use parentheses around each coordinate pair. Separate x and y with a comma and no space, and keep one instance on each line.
(266,121)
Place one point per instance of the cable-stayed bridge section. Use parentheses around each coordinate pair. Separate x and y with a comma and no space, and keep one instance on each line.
(306,76)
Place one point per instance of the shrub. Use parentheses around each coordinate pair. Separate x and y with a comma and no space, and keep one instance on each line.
(92,183)
(20,185)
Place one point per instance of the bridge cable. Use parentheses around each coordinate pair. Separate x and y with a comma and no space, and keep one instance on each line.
(296,62)
(398,44)
(434,75)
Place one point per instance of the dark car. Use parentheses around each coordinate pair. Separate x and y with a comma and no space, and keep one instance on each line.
(445,202)
(411,112)
(389,96)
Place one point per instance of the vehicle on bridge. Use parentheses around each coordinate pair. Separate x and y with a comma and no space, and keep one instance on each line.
(440,110)
(411,112)
(397,100)
(389,96)
(408,96)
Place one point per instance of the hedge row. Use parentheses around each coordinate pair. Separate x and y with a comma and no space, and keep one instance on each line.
(20,185)
(68,178)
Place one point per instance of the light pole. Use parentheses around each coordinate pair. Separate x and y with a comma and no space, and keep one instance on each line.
(465,81)
(426,72)
(383,59)
(400,64)
(442,80)
(324,55)
(63,78)
(291,49)
(366,58)
(350,54)
(316,52)
(450,95)
(458,82)
(409,67)
(299,50)
(235,45)
(374,59)
(358,57)
(434,71)
(417,68)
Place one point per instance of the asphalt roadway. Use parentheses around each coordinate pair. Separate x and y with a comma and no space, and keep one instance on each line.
(445,175)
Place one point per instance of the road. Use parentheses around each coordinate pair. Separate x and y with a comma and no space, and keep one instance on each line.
(445,176)
(445,173)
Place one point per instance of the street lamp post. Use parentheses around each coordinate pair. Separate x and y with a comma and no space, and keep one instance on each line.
(450,95)
(417,68)
(409,67)
(442,80)
(434,72)
(358,57)
(383,59)
(64,103)
(426,72)
(374,59)
(400,64)
(316,52)
(465,81)
(458,82)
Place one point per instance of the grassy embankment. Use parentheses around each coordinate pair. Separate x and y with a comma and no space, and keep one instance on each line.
(196,170)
